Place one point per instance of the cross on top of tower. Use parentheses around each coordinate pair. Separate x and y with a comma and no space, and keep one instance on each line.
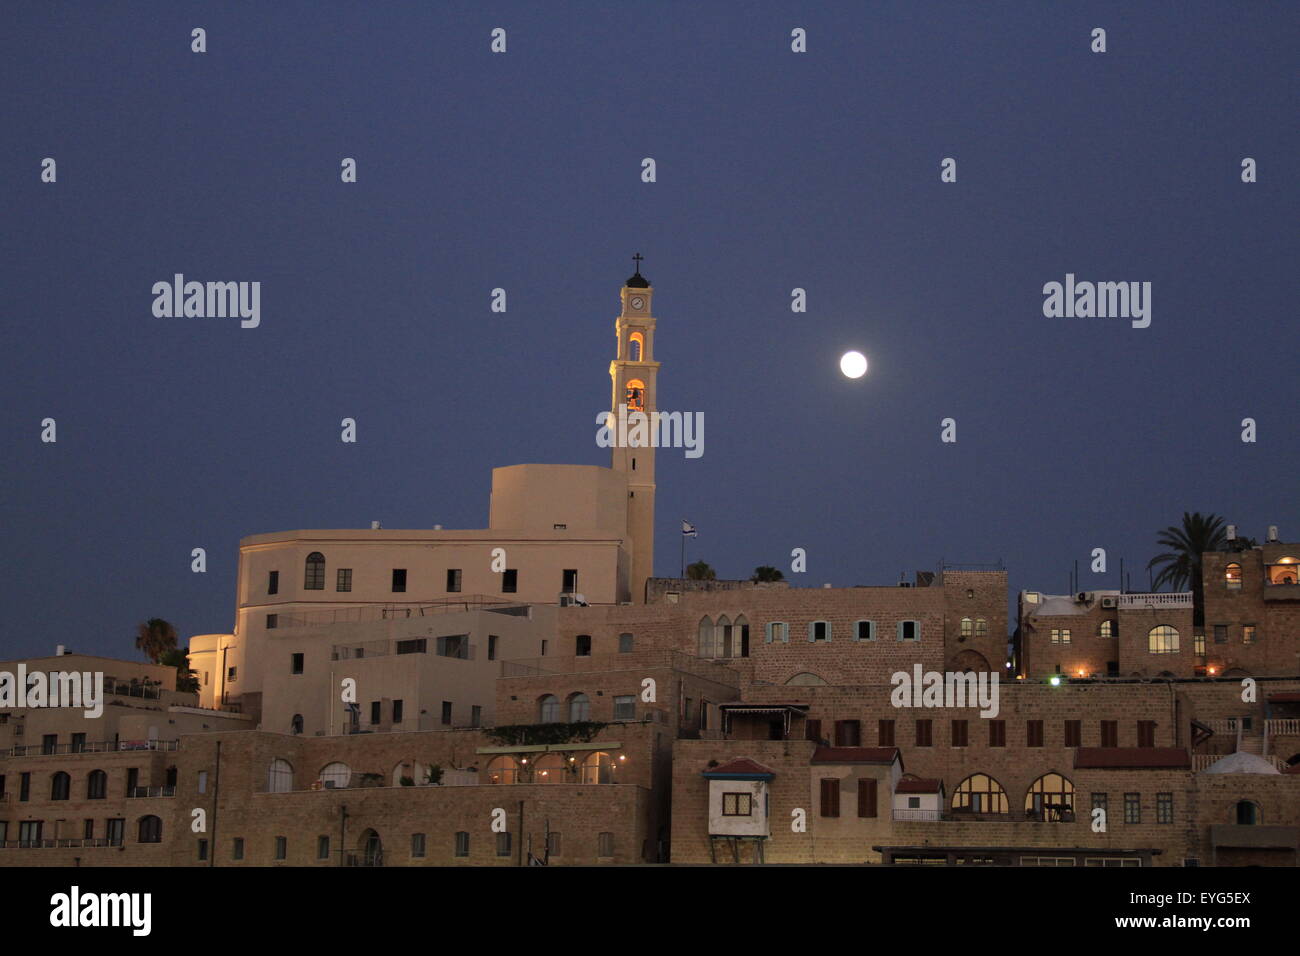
(638,281)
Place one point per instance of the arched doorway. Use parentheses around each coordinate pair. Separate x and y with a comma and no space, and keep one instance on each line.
(372,849)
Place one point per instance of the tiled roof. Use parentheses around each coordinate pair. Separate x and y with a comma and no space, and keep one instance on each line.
(1132,758)
(919,786)
(855,755)
(741,765)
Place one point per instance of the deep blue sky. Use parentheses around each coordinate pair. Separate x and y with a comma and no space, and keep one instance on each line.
(522,170)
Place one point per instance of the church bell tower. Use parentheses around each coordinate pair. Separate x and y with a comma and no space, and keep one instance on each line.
(634,372)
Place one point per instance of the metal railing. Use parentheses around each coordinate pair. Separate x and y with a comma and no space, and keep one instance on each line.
(88,747)
(63,842)
(902,813)
(167,790)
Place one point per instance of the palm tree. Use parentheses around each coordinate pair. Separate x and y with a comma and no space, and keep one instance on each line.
(155,637)
(765,572)
(700,571)
(186,680)
(1180,566)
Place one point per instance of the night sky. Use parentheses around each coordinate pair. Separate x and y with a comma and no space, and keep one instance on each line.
(776,170)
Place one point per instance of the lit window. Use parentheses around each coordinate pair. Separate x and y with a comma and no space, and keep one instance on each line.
(1232,577)
(737,804)
(1163,640)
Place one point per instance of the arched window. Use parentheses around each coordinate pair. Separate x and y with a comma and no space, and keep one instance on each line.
(722,638)
(579,708)
(635,346)
(336,775)
(635,395)
(1050,799)
(1106,629)
(980,793)
(806,679)
(967,627)
(598,767)
(279,779)
(548,709)
(1232,577)
(60,786)
(150,830)
(1247,813)
(1162,639)
(295,725)
(706,643)
(314,579)
(981,627)
(97,785)
(549,768)
(502,769)
(1284,571)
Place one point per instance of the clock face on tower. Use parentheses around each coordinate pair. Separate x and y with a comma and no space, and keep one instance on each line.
(637,302)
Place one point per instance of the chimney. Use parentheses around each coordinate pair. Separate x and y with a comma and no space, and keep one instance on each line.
(59,651)
(1232,532)
(374,526)
(1272,533)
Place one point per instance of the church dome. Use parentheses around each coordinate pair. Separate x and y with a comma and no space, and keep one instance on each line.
(1241,762)
(638,281)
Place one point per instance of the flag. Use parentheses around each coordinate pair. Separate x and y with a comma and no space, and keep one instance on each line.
(688,529)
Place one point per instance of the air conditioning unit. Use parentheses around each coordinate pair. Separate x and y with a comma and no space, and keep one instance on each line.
(1110,602)
(1085,597)
(568,599)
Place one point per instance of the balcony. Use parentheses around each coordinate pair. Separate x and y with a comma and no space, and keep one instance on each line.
(88,747)
(163,791)
(912,816)
(1155,600)
(1281,592)
(1285,727)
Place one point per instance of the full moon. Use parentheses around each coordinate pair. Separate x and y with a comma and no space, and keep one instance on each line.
(853,364)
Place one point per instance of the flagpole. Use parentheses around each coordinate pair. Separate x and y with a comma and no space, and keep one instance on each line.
(683,554)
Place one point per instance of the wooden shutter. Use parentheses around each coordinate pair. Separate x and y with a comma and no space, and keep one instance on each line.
(866,797)
(813,730)
(830,797)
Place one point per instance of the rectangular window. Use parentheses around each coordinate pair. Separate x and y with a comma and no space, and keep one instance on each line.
(1164,808)
(960,729)
(417,846)
(848,733)
(1248,634)
(115,831)
(446,712)
(29,832)
(778,632)
(1100,802)
(462,843)
(237,848)
(909,630)
(737,804)
(492,647)
(625,707)
(819,631)
(1033,733)
(864,630)
(1132,808)
(570,581)
(509,581)
(232,674)
(399,580)
(605,845)
(1074,733)
(203,781)
(296,667)
(415,645)
(343,580)
(1060,635)
(281,848)
(1146,733)
(456,646)
(375,711)
(1198,643)
(554,844)
(25,786)
(272,621)
(1220,634)
(830,797)
(503,844)
(997,733)
(476,716)
(49,743)
(88,830)
(322,848)
(453,580)
(625,643)
(924,733)
(203,849)
(812,730)
(582,645)
(885,733)
(545,642)
(397,711)
(1109,733)
(273,583)
(866,797)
